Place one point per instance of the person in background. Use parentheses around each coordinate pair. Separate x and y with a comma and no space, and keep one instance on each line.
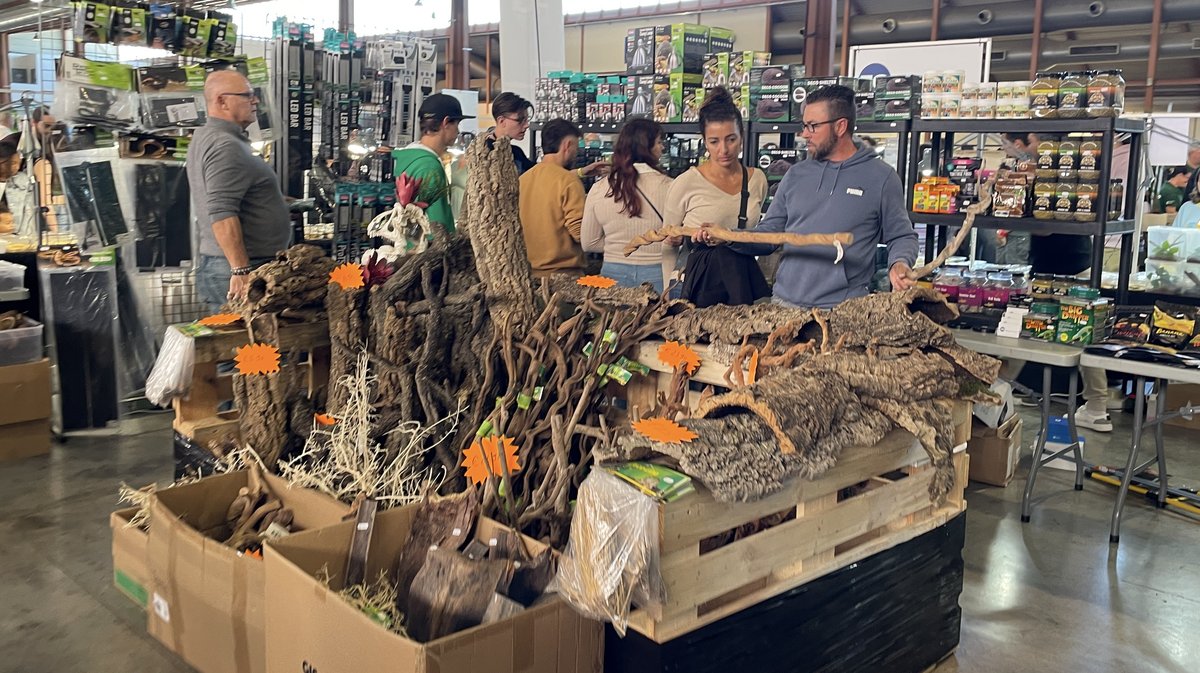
(240,211)
(720,192)
(839,188)
(422,160)
(1012,247)
(1172,195)
(511,113)
(1189,212)
(1193,160)
(551,204)
(628,203)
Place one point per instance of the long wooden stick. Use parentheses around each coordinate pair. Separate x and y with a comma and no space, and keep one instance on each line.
(985,200)
(740,236)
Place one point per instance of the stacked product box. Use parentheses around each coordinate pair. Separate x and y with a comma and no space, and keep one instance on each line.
(581,98)
(639,51)
(803,86)
(775,163)
(897,97)
(770,93)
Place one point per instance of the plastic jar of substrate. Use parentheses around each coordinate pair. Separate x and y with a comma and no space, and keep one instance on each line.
(1068,155)
(1086,197)
(1089,160)
(948,281)
(1043,286)
(1047,158)
(1064,201)
(1072,95)
(970,293)
(1116,198)
(1106,94)
(1043,95)
(997,291)
(1043,200)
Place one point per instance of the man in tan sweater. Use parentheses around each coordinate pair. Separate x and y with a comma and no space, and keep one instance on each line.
(552,201)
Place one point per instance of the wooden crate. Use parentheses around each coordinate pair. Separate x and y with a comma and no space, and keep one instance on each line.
(834,524)
(198,417)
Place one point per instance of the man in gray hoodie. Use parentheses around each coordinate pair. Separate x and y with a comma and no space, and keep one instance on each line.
(838,188)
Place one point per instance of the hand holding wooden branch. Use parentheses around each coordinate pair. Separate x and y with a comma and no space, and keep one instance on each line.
(740,236)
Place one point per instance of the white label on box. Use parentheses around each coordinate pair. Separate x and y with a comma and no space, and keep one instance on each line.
(182,112)
(161,608)
(1010,324)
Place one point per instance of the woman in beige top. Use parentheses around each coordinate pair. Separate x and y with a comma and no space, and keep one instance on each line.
(627,204)
(712,194)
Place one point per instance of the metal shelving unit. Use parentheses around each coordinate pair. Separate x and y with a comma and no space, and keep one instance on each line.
(902,128)
(942,132)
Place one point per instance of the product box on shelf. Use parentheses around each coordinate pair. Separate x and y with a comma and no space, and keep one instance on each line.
(716,70)
(720,39)
(310,627)
(770,78)
(207,600)
(639,51)
(770,106)
(639,94)
(689,44)
(740,64)
(864,106)
(741,98)
(895,109)
(664,51)
(664,107)
(899,87)
(776,161)
(803,86)
(686,97)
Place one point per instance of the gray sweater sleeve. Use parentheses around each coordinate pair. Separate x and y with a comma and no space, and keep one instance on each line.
(226,180)
(896,229)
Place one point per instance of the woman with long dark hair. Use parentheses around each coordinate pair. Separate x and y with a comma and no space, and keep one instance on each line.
(724,193)
(628,203)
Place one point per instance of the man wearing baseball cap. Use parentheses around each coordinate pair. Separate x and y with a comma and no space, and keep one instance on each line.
(422,160)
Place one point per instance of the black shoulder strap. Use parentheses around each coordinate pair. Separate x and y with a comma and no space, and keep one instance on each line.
(649,203)
(742,219)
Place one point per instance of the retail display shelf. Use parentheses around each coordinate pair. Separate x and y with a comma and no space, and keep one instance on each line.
(1119,124)
(1028,224)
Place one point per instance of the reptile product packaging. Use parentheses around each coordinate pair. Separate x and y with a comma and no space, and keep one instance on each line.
(93,93)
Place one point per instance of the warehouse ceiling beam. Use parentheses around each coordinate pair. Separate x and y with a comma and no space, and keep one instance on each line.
(818,37)
(1152,66)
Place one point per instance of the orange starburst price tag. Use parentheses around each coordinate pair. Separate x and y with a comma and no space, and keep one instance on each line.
(598,282)
(675,355)
(482,458)
(257,359)
(664,430)
(348,276)
(219,320)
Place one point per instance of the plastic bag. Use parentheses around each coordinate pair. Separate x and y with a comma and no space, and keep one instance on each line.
(101,94)
(172,373)
(612,557)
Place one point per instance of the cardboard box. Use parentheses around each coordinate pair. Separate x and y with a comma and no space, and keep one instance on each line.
(24,440)
(685,104)
(207,601)
(689,44)
(741,98)
(311,628)
(770,78)
(776,162)
(720,40)
(741,63)
(894,109)
(899,87)
(716,70)
(994,452)
(664,51)
(131,572)
(1178,395)
(639,51)
(25,392)
(770,106)
(803,86)
(639,92)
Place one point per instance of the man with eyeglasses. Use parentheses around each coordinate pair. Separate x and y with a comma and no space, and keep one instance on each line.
(240,211)
(840,187)
(511,113)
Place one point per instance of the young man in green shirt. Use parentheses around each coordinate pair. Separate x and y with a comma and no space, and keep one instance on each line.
(1171,195)
(422,160)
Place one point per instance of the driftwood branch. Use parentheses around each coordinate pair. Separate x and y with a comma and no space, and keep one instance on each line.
(985,200)
(740,236)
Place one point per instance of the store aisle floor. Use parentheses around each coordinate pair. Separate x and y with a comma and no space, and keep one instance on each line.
(1048,595)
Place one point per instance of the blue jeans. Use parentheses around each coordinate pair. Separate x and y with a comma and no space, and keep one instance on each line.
(633,275)
(212,279)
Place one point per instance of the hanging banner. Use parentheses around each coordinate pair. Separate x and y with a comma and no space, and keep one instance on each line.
(973,57)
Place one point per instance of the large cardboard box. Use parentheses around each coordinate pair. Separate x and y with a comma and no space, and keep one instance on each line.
(131,573)
(994,451)
(24,393)
(1179,394)
(312,628)
(206,599)
(24,440)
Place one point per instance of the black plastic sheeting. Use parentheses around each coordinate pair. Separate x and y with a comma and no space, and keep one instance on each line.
(192,460)
(896,611)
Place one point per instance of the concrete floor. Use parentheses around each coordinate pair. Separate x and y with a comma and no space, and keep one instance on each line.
(1051,595)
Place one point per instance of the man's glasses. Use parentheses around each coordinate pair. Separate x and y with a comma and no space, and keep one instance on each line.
(518,120)
(811,127)
(243,94)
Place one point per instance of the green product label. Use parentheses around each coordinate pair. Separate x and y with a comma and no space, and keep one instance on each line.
(111,75)
(1043,99)
(1072,97)
(131,587)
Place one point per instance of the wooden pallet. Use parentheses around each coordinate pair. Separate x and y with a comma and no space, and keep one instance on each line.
(831,524)
(198,417)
